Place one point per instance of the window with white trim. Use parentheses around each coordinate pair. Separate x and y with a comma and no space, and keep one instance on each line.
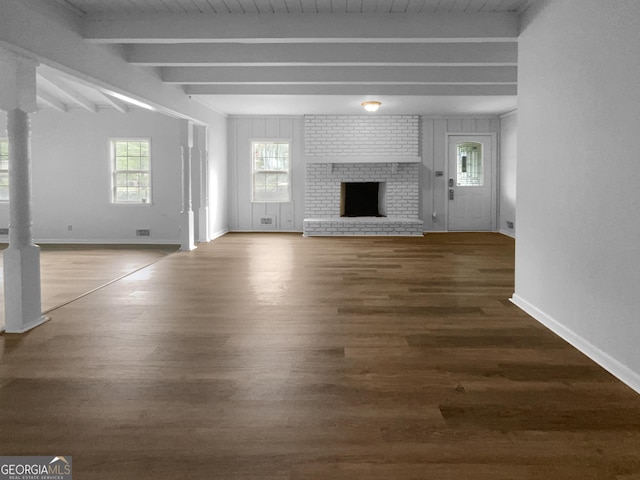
(131,170)
(271,168)
(4,170)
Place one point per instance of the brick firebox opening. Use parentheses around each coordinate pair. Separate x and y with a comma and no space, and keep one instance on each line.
(362,199)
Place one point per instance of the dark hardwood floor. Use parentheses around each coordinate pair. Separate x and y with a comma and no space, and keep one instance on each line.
(273,356)
(69,271)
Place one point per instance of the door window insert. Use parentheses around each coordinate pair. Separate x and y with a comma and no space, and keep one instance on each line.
(469,165)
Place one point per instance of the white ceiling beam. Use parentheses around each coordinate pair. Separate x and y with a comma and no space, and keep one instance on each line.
(67,92)
(56,76)
(51,101)
(352,89)
(301,28)
(114,102)
(226,54)
(26,27)
(368,75)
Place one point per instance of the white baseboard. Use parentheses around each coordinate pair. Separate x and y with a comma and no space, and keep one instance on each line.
(266,231)
(107,241)
(613,366)
(219,233)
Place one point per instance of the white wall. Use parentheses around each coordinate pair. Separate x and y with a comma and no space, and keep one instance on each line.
(72,184)
(243,213)
(578,253)
(508,163)
(218,176)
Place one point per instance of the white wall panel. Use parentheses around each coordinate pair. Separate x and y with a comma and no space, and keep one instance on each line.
(244,214)
(507,177)
(432,148)
(434,159)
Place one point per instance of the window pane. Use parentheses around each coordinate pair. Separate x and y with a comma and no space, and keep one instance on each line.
(4,170)
(283,155)
(121,163)
(132,180)
(271,171)
(133,195)
(271,156)
(133,149)
(121,194)
(143,179)
(283,180)
(121,179)
(271,187)
(470,165)
(258,187)
(132,184)
(121,149)
(134,163)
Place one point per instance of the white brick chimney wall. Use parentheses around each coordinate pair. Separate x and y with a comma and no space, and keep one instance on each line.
(361,135)
(362,148)
(322,193)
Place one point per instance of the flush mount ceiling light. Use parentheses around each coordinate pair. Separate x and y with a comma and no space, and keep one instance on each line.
(371,106)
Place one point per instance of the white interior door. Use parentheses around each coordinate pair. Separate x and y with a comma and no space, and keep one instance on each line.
(471,183)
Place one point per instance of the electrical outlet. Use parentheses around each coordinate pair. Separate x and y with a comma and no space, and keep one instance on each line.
(509,224)
(4,231)
(69,227)
(143,233)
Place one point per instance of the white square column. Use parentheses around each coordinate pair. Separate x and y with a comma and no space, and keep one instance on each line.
(203,156)
(187,229)
(22,288)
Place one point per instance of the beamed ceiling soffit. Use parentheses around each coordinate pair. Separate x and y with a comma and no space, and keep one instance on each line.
(434,57)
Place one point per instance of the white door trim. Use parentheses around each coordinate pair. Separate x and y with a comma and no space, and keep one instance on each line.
(494,174)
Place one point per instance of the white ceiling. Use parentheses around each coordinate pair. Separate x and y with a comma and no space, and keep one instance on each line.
(295,57)
(437,106)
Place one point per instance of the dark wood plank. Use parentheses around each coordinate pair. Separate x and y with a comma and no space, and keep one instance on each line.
(273,356)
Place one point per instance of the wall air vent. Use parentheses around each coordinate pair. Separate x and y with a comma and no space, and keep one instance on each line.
(265,222)
(143,233)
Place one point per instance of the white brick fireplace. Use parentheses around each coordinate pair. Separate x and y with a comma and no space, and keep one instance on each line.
(354,149)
